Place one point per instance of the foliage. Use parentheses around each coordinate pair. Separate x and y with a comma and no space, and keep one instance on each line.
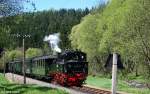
(12,7)
(123,27)
(32,52)
(10,55)
(8,7)
(14,54)
(38,25)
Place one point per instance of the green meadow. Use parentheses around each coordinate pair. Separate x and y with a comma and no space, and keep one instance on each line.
(10,88)
(102,82)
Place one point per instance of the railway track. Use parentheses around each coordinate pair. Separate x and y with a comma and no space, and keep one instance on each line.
(90,90)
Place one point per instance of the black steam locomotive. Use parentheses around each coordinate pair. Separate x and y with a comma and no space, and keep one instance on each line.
(68,68)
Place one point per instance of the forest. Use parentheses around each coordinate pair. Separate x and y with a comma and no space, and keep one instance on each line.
(38,25)
(120,26)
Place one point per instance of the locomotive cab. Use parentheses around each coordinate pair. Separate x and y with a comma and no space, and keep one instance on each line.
(74,61)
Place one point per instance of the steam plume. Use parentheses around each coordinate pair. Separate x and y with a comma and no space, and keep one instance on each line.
(53,40)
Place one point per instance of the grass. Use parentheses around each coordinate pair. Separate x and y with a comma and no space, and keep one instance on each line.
(8,88)
(133,77)
(122,86)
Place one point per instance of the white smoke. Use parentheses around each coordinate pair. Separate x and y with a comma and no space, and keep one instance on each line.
(53,40)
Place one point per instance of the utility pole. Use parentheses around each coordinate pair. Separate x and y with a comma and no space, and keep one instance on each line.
(23,51)
(4,62)
(114,73)
(23,61)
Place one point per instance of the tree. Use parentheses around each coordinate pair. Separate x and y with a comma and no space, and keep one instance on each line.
(122,26)
(13,7)
(13,55)
(85,37)
(33,52)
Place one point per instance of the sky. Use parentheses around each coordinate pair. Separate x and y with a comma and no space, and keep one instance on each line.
(57,4)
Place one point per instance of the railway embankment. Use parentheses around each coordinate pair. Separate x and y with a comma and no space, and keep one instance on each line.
(7,87)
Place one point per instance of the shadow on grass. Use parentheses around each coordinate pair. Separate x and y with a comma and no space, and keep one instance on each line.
(19,89)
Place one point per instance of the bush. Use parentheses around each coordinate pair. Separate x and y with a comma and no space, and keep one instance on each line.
(33,52)
(14,54)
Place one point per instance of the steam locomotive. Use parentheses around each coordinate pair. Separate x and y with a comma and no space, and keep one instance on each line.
(69,68)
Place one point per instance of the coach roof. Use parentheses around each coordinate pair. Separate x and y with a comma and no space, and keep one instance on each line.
(45,57)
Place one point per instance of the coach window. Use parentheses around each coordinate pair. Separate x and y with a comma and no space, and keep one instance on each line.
(37,63)
(42,63)
(34,63)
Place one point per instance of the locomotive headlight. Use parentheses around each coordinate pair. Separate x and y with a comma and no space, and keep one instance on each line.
(82,57)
